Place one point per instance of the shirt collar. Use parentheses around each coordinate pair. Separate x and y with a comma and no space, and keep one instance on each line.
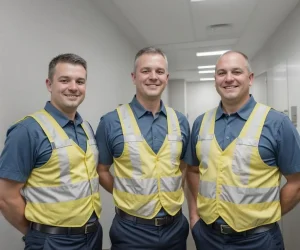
(244,112)
(61,119)
(139,110)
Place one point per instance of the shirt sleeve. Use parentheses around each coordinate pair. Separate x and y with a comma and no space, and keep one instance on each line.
(185,132)
(18,156)
(288,149)
(102,138)
(191,156)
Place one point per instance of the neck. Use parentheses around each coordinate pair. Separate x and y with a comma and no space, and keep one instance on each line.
(68,113)
(71,116)
(152,105)
(232,107)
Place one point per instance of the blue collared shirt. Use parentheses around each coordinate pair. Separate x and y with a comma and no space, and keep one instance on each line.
(279,143)
(27,146)
(110,138)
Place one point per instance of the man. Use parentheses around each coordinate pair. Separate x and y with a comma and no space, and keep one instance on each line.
(239,150)
(51,156)
(146,141)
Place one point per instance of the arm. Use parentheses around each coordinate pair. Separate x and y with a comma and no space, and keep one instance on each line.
(16,161)
(192,173)
(106,179)
(12,204)
(290,193)
(182,167)
(288,160)
(192,180)
(104,143)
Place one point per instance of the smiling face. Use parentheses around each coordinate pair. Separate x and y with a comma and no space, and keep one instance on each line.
(150,76)
(233,79)
(67,87)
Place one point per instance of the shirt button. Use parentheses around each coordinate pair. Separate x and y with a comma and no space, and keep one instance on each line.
(227,137)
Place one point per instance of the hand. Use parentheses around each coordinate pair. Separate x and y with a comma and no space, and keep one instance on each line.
(193,221)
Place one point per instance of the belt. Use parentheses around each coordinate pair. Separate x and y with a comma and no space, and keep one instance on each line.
(87,228)
(158,221)
(225,229)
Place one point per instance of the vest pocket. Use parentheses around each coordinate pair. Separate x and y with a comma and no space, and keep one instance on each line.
(61,143)
(205,142)
(242,157)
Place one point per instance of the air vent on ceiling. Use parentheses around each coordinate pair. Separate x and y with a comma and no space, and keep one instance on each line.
(219,28)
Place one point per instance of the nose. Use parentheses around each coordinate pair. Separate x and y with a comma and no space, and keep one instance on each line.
(72,85)
(153,75)
(229,77)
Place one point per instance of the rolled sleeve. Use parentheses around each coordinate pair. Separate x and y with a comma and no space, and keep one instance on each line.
(191,156)
(185,132)
(102,138)
(17,157)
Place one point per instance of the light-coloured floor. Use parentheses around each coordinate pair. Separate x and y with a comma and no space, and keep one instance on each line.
(190,242)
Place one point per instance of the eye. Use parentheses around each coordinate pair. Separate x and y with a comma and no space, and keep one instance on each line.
(80,82)
(160,72)
(237,72)
(63,80)
(221,73)
(144,71)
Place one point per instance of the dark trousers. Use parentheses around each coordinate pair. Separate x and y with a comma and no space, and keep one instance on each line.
(129,235)
(207,238)
(35,240)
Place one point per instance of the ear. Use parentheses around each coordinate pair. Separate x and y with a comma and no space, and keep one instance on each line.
(167,79)
(215,80)
(49,85)
(251,79)
(133,77)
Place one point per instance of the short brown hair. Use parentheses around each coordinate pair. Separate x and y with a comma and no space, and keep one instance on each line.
(149,50)
(242,54)
(65,58)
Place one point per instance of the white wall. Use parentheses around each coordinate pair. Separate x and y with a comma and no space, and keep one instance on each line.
(32,32)
(259,88)
(201,97)
(177,95)
(280,58)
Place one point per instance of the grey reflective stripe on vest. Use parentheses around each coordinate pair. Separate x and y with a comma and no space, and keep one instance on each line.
(205,126)
(91,140)
(174,135)
(207,189)
(59,145)
(63,193)
(136,186)
(147,209)
(206,138)
(133,141)
(170,184)
(241,195)
(243,150)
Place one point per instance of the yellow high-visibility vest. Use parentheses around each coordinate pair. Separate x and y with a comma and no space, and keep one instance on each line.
(235,183)
(65,190)
(145,182)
